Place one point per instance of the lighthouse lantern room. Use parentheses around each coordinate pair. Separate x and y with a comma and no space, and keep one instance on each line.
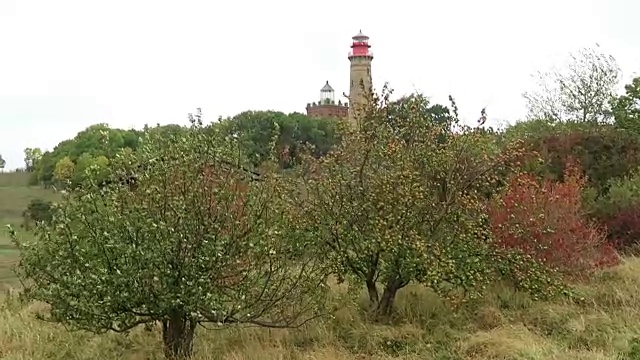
(360,46)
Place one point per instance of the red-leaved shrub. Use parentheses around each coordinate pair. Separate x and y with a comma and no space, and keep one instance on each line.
(545,221)
(624,228)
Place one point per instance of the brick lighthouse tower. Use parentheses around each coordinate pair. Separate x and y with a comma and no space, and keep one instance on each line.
(360,58)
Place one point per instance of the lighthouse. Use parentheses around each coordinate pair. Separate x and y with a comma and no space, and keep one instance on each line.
(360,57)
(327,107)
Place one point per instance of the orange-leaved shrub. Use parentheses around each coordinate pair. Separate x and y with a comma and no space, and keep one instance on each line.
(544,220)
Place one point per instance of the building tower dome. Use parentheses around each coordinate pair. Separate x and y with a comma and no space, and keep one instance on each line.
(326,106)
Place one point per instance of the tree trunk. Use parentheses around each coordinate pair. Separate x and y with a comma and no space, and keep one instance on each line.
(177,336)
(373,293)
(385,306)
(370,280)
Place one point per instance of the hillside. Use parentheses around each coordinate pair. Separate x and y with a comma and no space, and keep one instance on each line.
(15,195)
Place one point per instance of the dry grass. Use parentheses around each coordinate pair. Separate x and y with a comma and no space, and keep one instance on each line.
(506,325)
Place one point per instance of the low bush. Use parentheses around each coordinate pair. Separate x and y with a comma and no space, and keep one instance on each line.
(604,152)
(624,228)
(545,221)
(38,210)
(618,211)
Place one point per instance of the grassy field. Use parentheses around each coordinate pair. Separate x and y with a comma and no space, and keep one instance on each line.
(507,324)
(15,195)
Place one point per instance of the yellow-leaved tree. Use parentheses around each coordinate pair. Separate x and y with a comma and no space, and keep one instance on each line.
(64,170)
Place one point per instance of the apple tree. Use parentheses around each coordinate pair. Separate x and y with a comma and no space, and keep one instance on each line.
(401,199)
(197,240)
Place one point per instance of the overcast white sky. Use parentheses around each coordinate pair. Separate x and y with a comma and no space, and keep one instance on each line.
(67,64)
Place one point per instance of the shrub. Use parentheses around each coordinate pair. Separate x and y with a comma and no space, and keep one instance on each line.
(37,211)
(619,211)
(623,192)
(545,220)
(604,152)
(624,228)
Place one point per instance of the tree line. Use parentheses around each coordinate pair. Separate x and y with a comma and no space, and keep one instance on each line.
(66,164)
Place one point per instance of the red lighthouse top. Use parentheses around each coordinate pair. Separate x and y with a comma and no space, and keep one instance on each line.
(360,46)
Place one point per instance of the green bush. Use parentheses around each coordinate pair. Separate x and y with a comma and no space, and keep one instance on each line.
(37,211)
(604,153)
(618,210)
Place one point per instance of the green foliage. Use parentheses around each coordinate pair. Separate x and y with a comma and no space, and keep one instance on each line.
(93,142)
(196,242)
(88,166)
(390,206)
(619,211)
(539,128)
(623,192)
(634,349)
(604,153)
(255,131)
(626,108)
(435,113)
(523,271)
(2,162)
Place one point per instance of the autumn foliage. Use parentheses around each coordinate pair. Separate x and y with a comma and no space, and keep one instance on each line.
(545,220)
